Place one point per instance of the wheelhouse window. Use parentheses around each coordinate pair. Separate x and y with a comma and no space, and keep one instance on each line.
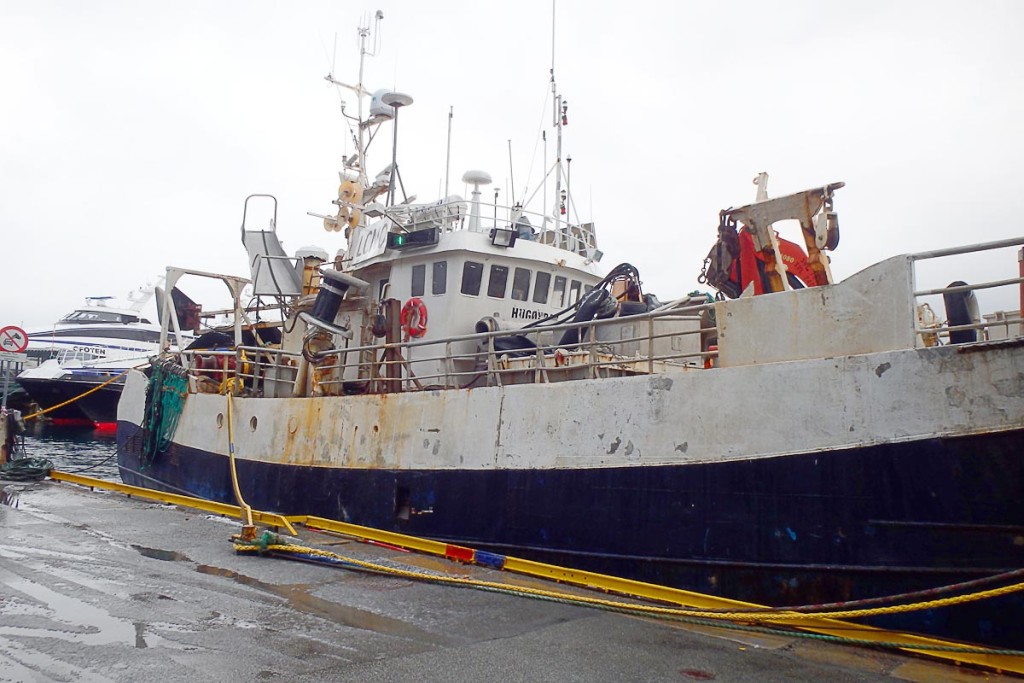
(541,288)
(521,284)
(419,278)
(439,279)
(559,296)
(498,281)
(472,274)
(574,291)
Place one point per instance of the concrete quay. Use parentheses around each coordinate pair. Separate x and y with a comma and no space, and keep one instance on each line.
(98,587)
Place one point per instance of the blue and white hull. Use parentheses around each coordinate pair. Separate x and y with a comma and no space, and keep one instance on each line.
(893,471)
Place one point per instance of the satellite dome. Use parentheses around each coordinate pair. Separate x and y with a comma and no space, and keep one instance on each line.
(476,177)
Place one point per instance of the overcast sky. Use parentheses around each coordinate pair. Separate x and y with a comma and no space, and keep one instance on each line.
(131,132)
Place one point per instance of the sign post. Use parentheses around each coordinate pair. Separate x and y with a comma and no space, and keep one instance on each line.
(13,341)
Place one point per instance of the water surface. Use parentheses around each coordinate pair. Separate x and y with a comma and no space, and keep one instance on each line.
(76,450)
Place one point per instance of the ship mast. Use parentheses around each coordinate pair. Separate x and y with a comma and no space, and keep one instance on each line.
(560,115)
(359,162)
(559,120)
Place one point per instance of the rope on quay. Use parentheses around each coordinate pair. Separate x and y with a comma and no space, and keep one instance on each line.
(26,469)
(272,544)
(927,592)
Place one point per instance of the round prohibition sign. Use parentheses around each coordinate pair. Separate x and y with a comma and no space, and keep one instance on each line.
(13,339)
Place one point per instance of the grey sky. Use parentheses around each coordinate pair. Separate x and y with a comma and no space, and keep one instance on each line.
(130,133)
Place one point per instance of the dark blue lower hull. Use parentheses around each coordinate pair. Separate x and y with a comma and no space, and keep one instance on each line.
(48,393)
(786,530)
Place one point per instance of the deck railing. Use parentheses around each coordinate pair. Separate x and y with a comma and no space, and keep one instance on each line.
(456,214)
(674,338)
(936,325)
(678,337)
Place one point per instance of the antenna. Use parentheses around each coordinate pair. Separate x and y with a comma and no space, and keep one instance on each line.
(334,52)
(378,15)
(359,131)
(552,40)
(568,189)
(511,175)
(448,157)
(560,120)
(544,136)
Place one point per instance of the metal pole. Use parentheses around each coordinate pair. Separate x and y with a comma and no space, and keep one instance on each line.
(448,158)
(394,160)
(5,366)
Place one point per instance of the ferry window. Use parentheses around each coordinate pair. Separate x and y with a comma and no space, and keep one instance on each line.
(559,295)
(92,317)
(574,292)
(497,282)
(472,274)
(419,278)
(439,283)
(541,287)
(521,284)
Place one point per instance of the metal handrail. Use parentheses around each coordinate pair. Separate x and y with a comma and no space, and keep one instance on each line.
(970,288)
(485,361)
(943,329)
(967,249)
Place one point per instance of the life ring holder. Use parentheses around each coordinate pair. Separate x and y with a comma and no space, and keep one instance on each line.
(414,317)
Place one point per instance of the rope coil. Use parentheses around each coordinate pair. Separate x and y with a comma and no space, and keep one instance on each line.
(26,469)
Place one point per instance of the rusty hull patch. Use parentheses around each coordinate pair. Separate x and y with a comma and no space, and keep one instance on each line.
(985,346)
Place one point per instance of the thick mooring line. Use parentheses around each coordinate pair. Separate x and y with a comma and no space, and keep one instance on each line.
(602,582)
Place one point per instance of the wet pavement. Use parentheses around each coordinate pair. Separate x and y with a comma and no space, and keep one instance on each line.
(99,587)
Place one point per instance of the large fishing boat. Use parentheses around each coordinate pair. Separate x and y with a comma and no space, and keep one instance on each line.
(793,440)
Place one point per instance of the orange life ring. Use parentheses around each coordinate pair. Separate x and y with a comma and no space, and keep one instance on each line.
(414,317)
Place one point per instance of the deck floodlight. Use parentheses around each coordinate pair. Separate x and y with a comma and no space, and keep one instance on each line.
(500,237)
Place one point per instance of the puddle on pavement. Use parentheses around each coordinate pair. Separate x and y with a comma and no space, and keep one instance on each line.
(300,599)
(19,662)
(20,552)
(159,554)
(75,620)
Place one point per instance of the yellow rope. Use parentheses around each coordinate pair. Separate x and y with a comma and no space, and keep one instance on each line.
(83,394)
(246,510)
(231,385)
(650,609)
